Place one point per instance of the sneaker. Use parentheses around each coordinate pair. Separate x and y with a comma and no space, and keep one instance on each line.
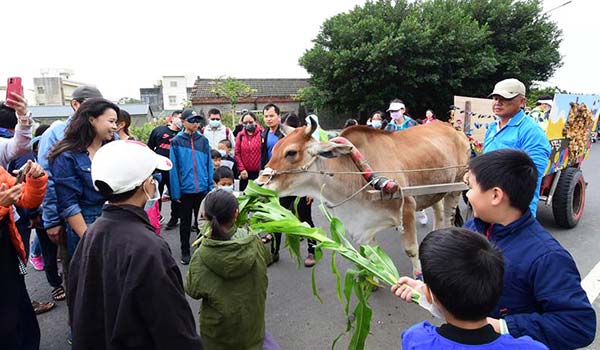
(274,259)
(194,229)
(171,224)
(162,220)
(185,259)
(310,260)
(37,262)
(422,217)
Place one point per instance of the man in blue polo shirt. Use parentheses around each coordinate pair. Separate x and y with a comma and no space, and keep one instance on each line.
(514,130)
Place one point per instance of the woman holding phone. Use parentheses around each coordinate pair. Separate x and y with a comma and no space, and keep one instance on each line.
(79,204)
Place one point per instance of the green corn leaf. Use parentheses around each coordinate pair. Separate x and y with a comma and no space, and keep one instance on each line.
(292,242)
(255,190)
(349,281)
(362,318)
(338,278)
(313,284)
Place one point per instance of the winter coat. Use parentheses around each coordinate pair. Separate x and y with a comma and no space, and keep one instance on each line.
(231,279)
(248,150)
(33,194)
(192,170)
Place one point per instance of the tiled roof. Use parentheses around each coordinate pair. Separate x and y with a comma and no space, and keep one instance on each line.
(65,111)
(264,87)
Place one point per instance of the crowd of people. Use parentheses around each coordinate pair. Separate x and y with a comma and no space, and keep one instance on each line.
(86,185)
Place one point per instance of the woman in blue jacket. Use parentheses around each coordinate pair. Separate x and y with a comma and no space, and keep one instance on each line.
(191,176)
(79,204)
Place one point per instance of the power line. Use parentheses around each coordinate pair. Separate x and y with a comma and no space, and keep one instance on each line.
(557,7)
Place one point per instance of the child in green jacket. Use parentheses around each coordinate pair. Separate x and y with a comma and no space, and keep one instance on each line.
(230,276)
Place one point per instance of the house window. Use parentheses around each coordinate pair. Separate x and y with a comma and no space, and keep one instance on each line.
(173,84)
(172,100)
(40,90)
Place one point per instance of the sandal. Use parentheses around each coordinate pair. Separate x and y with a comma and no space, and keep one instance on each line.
(40,308)
(58,293)
(267,238)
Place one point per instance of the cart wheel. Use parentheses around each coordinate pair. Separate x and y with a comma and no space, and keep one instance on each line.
(569,198)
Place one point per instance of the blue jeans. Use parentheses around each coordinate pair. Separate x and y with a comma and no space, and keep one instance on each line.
(36,249)
(90,214)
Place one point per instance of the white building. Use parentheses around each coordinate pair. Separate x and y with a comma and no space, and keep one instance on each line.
(174,89)
(55,87)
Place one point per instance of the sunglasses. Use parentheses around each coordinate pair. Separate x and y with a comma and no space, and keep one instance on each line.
(193,120)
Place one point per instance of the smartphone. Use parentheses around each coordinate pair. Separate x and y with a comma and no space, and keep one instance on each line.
(13,85)
(22,171)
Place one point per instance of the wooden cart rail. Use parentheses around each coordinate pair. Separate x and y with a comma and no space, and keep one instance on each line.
(375,195)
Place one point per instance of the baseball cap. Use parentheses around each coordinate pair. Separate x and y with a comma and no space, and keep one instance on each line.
(85,92)
(508,88)
(396,106)
(124,165)
(188,113)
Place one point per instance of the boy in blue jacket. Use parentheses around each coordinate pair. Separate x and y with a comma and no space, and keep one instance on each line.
(191,177)
(464,275)
(542,295)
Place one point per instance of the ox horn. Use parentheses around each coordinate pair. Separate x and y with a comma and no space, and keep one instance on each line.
(286,129)
(313,125)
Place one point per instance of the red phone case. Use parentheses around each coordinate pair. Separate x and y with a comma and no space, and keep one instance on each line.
(14,85)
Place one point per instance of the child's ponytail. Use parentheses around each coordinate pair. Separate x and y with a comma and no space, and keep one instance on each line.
(219,208)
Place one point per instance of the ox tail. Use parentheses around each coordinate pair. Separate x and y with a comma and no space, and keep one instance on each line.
(380,183)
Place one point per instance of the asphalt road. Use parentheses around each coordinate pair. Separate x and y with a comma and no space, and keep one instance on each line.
(298,321)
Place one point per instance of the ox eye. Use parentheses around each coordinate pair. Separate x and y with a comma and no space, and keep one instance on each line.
(291,153)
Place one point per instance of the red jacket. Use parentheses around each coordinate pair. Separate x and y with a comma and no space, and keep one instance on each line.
(247,150)
(31,198)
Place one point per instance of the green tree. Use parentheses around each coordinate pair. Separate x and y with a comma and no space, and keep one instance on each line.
(425,52)
(535,92)
(233,90)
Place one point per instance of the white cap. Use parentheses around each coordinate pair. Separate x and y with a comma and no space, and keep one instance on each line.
(124,165)
(396,106)
(508,88)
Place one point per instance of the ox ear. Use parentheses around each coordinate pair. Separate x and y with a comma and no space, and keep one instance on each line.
(329,149)
(286,129)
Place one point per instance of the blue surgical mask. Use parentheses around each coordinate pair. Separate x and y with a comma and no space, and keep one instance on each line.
(152,200)
(215,124)
(227,188)
(376,124)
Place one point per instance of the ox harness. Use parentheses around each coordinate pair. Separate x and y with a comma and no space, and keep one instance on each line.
(380,183)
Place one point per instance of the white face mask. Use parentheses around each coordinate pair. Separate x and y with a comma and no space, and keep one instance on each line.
(178,123)
(152,200)
(376,124)
(431,307)
(227,188)
(223,153)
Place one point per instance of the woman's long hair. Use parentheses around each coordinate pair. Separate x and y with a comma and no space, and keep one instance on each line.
(124,116)
(80,133)
(219,209)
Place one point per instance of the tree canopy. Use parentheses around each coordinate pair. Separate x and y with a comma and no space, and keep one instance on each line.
(425,52)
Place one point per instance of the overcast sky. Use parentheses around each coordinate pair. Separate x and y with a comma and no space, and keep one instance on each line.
(123,45)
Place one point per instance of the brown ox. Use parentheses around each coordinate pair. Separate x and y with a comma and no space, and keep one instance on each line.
(435,145)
